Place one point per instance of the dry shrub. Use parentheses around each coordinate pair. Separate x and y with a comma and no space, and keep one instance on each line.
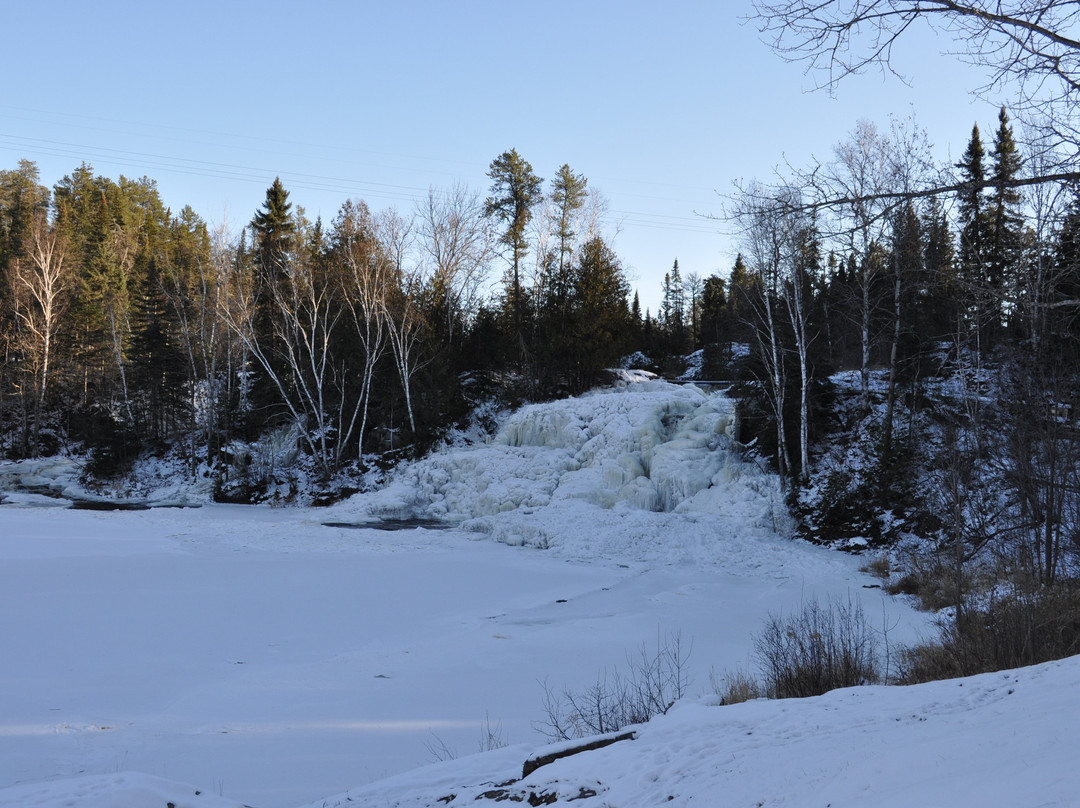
(735,687)
(879,567)
(649,684)
(1022,627)
(818,649)
(933,583)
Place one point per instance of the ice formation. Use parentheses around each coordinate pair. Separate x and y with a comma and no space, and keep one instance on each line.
(603,461)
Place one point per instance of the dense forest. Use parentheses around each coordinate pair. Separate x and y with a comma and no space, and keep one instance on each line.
(128,328)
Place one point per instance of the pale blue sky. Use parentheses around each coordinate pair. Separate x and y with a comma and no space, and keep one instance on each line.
(661,106)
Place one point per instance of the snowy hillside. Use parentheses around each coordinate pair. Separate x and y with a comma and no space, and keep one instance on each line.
(271,660)
(1003,740)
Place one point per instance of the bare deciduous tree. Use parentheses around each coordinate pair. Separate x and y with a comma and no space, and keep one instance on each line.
(456,242)
(365,276)
(305,372)
(39,292)
(1029,46)
(764,237)
(400,305)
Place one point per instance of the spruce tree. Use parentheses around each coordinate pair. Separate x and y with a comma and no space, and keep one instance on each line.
(742,284)
(713,310)
(973,274)
(158,363)
(1005,223)
(274,233)
(22,199)
(601,319)
(1065,291)
(937,290)
(273,241)
(673,312)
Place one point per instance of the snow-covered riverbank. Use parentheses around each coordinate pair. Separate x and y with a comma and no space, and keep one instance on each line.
(264,657)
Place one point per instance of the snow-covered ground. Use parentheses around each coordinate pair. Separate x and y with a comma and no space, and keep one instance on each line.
(1000,740)
(269,660)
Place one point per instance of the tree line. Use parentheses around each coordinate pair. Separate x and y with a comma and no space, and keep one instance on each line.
(127,327)
(951,294)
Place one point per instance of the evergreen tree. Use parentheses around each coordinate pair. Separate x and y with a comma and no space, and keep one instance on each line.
(714,310)
(273,241)
(973,270)
(274,232)
(742,284)
(158,363)
(568,195)
(515,190)
(1064,297)
(673,312)
(601,315)
(1005,223)
(937,290)
(907,267)
(22,199)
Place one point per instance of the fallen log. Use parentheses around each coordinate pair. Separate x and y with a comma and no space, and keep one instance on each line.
(549,754)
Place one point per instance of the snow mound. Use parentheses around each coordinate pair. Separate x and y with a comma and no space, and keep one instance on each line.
(999,739)
(592,474)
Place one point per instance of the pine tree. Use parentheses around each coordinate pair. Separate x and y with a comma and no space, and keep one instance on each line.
(568,194)
(515,189)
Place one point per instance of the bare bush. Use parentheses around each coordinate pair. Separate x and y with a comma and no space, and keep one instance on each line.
(818,649)
(492,736)
(737,686)
(649,684)
(1021,627)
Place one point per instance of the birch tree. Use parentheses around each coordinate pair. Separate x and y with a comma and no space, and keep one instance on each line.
(401,307)
(763,245)
(365,277)
(40,294)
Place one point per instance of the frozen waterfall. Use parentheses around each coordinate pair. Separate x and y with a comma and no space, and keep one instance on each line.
(615,466)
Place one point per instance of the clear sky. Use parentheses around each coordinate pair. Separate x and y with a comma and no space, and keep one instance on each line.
(661,105)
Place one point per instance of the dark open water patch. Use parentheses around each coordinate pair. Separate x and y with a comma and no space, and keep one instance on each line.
(394,524)
(107,505)
(122,505)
